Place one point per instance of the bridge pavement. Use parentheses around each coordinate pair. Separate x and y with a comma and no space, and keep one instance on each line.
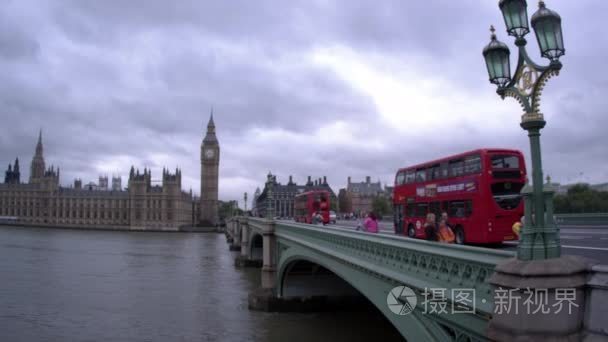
(583,241)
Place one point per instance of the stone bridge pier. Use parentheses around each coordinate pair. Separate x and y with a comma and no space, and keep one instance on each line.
(254,239)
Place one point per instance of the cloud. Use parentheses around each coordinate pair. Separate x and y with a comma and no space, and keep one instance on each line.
(335,88)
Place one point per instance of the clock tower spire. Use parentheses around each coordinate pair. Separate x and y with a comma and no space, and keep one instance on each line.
(210,161)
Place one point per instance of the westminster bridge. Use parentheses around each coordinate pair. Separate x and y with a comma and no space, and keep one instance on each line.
(428,291)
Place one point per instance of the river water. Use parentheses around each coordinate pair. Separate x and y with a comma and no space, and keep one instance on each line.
(76,285)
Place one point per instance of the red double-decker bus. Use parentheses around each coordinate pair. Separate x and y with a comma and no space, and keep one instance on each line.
(479,190)
(308,203)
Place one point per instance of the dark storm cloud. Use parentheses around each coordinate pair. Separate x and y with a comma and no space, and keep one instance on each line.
(115,83)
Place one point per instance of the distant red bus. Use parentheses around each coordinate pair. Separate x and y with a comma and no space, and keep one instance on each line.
(480,191)
(308,203)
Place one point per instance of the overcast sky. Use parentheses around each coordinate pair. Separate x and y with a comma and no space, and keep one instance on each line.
(312,87)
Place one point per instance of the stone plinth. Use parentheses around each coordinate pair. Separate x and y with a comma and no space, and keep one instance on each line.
(542,282)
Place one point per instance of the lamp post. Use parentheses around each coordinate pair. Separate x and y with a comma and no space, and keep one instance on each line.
(539,237)
(245,200)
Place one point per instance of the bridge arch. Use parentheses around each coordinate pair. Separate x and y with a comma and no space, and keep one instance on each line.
(255,248)
(413,326)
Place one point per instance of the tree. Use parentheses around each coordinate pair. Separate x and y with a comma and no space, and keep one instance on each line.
(228,209)
(333,205)
(380,206)
(581,199)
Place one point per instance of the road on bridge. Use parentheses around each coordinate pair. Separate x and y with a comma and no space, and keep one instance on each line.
(585,241)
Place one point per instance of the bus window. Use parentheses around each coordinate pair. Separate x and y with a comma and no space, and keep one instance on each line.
(420,175)
(456,168)
(507,194)
(443,170)
(472,164)
(410,176)
(400,178)
(468,208)
(460,209)
(435,208)
(410,207)
(505,162)
(433,172)
(422,209)
(410,210)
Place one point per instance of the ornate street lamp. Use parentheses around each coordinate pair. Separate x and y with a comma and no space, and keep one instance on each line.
(540,237)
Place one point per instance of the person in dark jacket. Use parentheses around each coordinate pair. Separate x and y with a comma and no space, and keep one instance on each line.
(430,227)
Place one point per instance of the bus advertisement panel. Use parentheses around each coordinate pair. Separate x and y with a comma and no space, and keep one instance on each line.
(308,203)
(479,190)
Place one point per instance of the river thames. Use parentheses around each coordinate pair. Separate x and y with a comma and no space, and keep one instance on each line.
(76,285)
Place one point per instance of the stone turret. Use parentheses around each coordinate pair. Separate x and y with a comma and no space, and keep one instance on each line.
(50,178)
(37,168)
(12,174)
(103,182)
(139,185)
(116,183)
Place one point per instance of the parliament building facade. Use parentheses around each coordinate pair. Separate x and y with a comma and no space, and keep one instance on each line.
(143,205)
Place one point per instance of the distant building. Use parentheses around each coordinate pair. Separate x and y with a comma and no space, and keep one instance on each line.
(358,197)
(283,195)
(103,183)
(256,195)
(143,206)
(116,183)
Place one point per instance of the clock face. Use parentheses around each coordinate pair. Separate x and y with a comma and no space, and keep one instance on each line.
(209,153)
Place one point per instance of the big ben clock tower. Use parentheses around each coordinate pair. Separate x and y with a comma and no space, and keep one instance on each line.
(210,161)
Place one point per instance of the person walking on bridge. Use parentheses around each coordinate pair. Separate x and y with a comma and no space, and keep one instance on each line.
(371,223)
(430,227)
(445,233)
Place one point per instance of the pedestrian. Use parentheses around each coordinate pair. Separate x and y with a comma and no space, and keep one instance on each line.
(371,223)
(313,218)
(445,233)
(517,227)
(430,227)
(320,219)
(444,216)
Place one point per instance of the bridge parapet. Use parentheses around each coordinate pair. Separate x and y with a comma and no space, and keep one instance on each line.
(418,264)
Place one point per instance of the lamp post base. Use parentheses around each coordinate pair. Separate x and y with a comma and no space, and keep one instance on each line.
(533,293)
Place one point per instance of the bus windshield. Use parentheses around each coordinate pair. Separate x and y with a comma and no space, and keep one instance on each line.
(507,194)
(505,162)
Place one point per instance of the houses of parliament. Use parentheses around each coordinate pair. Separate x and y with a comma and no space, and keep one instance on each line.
(143,205)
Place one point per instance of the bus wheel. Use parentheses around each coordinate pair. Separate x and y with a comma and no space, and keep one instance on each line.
(459,232)
(411,231)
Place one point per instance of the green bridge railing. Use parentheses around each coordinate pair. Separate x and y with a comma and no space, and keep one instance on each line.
(418,264)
